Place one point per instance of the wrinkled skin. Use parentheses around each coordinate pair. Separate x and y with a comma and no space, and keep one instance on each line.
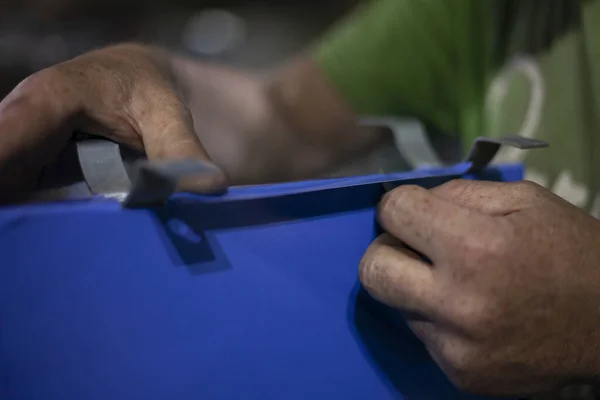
(121,95)
(510,302)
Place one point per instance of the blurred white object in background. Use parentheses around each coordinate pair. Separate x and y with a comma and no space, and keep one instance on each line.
(213,33)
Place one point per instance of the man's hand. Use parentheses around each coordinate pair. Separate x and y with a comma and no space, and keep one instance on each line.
(120,94)
(510,304)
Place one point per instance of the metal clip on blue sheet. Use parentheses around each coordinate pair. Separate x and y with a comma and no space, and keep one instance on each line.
(484,150)
(111,171)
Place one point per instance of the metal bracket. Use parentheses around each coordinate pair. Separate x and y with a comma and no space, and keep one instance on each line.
(103,166)
(484,150)
(113,171)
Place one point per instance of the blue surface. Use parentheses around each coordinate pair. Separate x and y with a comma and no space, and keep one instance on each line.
(253,295)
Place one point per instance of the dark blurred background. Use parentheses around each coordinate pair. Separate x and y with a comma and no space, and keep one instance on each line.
(252,34)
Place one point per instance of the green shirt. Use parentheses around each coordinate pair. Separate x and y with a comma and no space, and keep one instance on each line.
(474,68)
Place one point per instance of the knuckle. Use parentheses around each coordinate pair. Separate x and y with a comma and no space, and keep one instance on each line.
(47,88)
(42,77)
(399,196)
(36,83)
(473,249)
(404,192)
(108,79)
(454,184)
(483,248)
(372,272)
(23,95)
(454,187)
(527,187)
(476,315)
(157,104)
(367,268)
(461,364)
(458,358)
(496,246)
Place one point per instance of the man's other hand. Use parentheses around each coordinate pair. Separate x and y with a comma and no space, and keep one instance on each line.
(510,303)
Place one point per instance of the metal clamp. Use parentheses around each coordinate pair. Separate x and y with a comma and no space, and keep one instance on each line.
(482,153)
(484,150)
(113,171)
(415,148)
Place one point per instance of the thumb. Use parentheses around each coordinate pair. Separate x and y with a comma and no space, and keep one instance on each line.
(168,134)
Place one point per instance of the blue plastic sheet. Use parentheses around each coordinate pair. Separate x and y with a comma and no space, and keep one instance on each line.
(253,295)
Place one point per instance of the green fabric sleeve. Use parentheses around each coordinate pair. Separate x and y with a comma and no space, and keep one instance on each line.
(429,59)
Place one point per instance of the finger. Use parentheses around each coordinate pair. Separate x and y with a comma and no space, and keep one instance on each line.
(432,335)
(168,132)
(397,277)
(429,224)
(493,198)
(423,328)
(444,345)
(33,130)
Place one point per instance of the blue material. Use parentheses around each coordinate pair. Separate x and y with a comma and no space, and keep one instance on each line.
(253,295)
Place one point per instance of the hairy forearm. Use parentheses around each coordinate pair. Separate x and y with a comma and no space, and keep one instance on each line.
(289,124)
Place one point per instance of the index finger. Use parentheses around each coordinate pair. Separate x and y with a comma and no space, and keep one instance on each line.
(428,223)
(168,132)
